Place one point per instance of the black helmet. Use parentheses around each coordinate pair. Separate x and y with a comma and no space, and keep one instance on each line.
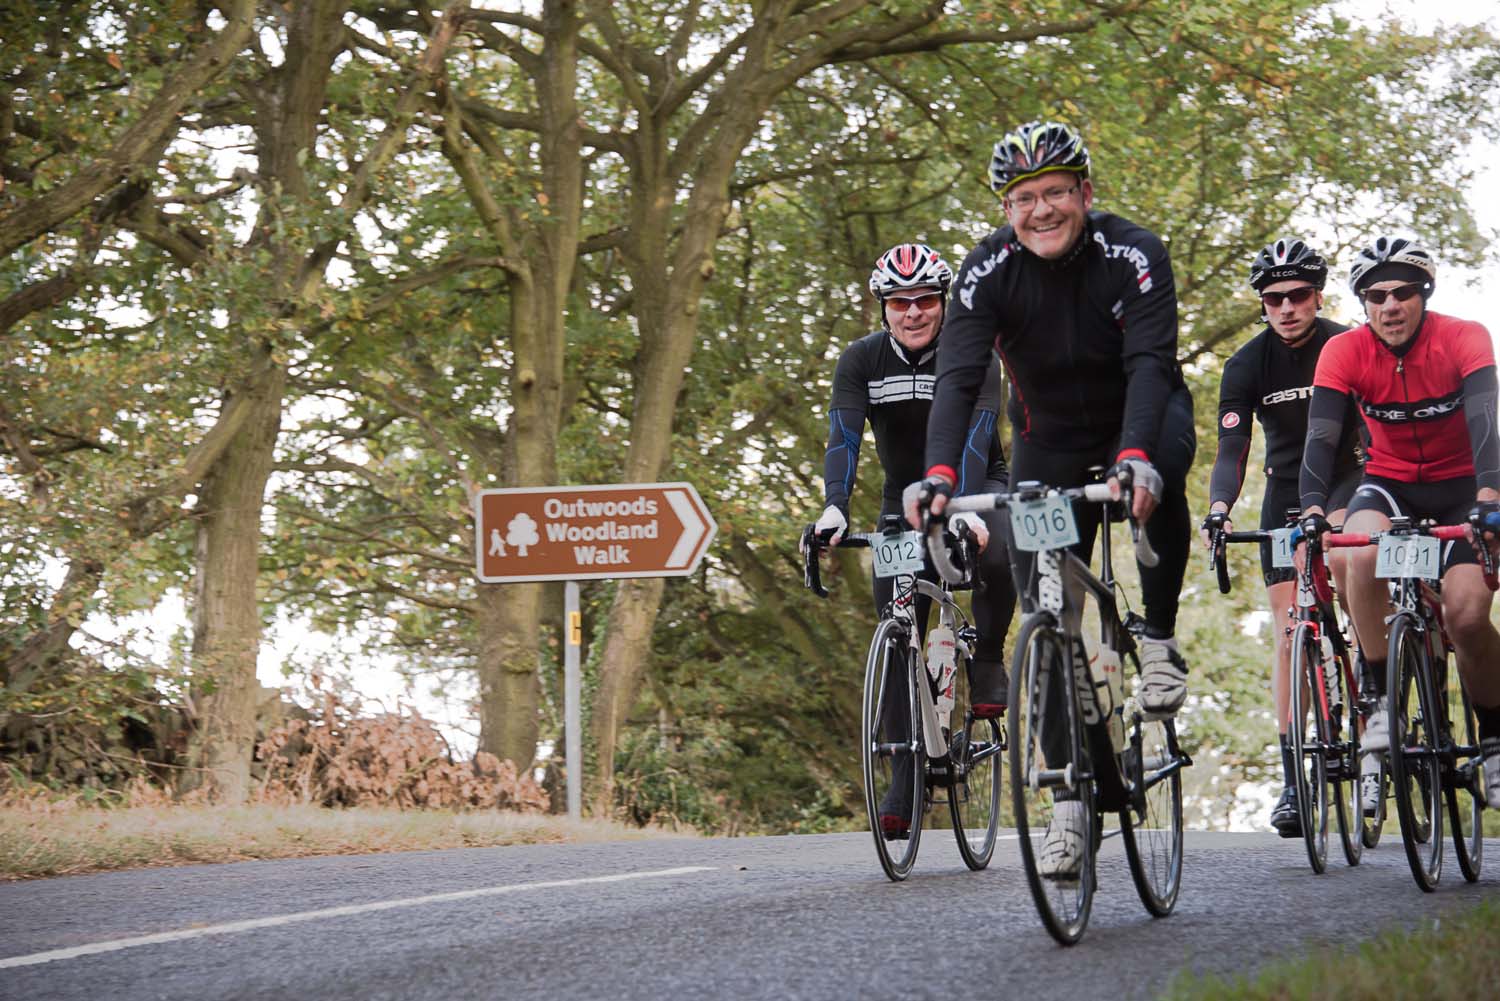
(1393,257)
(1034,149)
(1285,259)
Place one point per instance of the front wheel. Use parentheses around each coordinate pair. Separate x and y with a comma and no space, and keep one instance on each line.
(1306,729)
(1464,783)
(891,752)
(974,799)
(1416,772)
(1343,770)
(1050,776)
(1152,822)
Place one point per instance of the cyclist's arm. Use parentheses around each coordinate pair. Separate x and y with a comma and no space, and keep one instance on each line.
(846,428)
(965,350)
(984,460)
(1236,408)
(1480,393)
(1149,354)
(1325,429)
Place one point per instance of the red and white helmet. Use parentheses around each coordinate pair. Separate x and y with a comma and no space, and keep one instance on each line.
(909,265)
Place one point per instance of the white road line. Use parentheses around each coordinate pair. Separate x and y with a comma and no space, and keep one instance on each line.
(329,912)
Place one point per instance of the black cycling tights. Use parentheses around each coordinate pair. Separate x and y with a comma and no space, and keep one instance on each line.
(1170,527)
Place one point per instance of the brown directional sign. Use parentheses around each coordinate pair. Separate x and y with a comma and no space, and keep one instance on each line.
(583,533)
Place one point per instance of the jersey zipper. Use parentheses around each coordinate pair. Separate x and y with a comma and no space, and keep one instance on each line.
(1415,437)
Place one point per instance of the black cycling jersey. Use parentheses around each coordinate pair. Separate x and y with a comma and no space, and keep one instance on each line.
(878,380)
(1273,382)
(1089,341)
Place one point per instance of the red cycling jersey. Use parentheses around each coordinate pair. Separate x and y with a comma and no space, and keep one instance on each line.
(1413,401)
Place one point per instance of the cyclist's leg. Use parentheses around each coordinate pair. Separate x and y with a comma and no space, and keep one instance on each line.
(1476,644)
(1374,503)
(1163,685)
(1281,591)
(994,606)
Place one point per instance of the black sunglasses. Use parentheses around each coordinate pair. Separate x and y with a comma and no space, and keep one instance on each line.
(1403,293)
(1273,300)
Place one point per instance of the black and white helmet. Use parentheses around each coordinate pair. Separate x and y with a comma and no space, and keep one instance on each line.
(1393,257)
(909,265)
(1286,259)
(1034,149)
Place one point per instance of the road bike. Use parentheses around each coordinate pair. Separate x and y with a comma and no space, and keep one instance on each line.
(1434,757)
(906,731)
(1072,733)
(1326,715)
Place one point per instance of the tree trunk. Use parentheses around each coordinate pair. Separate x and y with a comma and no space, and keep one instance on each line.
(508,618)
(226,611)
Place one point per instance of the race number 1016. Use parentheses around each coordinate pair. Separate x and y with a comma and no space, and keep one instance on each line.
(1047,523)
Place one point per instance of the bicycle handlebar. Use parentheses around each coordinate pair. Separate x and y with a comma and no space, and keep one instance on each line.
(813,544)
(1218,551)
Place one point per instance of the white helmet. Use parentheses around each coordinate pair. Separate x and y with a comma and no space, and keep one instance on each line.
(1414,262)
(909,265)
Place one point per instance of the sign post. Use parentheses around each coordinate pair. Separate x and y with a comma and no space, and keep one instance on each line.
(587,533)
(573,700)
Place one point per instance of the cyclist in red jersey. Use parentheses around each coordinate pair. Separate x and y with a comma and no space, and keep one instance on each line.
(1426,385)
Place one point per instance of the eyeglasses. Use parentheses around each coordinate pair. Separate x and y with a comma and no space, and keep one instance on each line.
(925,301)
(1026,201)
(1297,296)
(1403,293)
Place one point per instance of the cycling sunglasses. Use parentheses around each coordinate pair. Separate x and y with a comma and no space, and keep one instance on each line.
(1376,296)
(928,300)
(1273,300)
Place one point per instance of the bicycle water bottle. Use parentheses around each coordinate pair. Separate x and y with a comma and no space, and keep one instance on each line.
(942,660)
(1106,665)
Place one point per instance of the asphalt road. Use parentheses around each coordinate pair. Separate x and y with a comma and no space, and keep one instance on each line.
(786,917)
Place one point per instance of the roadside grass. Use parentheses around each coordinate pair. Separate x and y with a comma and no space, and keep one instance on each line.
(1454,957)
(37,842)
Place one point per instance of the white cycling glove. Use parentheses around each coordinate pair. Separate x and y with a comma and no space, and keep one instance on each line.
(975,524)
(832,520)
(1143,474)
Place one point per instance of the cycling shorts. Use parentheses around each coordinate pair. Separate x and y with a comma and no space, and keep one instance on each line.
(1448,502)
(1282,495)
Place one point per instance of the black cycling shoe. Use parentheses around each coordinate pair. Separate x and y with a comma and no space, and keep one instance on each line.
(989,689)
(1284,816)
(895,805)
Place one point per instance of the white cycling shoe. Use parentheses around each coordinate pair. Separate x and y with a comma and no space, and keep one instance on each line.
(1377,736)
(1061,855)
(1369,784)
(1490,747)
(1163,677)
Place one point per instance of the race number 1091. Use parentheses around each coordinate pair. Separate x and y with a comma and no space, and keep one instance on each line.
(1401,556)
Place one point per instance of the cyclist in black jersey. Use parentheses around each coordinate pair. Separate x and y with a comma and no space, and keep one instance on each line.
(886,378)
(1270,379)
(1083,310)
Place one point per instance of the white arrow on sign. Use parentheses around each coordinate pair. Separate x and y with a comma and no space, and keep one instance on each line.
(693,528)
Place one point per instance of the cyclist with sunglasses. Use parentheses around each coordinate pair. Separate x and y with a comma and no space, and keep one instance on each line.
(1082,306)
(1426,385)
(886,378)
(1271,379)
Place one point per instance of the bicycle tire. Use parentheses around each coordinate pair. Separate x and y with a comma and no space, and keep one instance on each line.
(1415,769)
(1152,823)
(1305,731)
(882,753)
(974,800)
(1040,661)
(1344,733)
(1464,785)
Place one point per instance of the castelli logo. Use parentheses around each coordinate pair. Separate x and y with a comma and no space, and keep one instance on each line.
(1231,420)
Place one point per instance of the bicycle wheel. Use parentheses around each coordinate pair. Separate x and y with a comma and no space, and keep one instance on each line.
(1305,729)
(974,799)
(891,753)
(1343,768)
(1463,785)
(1048,770)
(1415,769)
(1152,823)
